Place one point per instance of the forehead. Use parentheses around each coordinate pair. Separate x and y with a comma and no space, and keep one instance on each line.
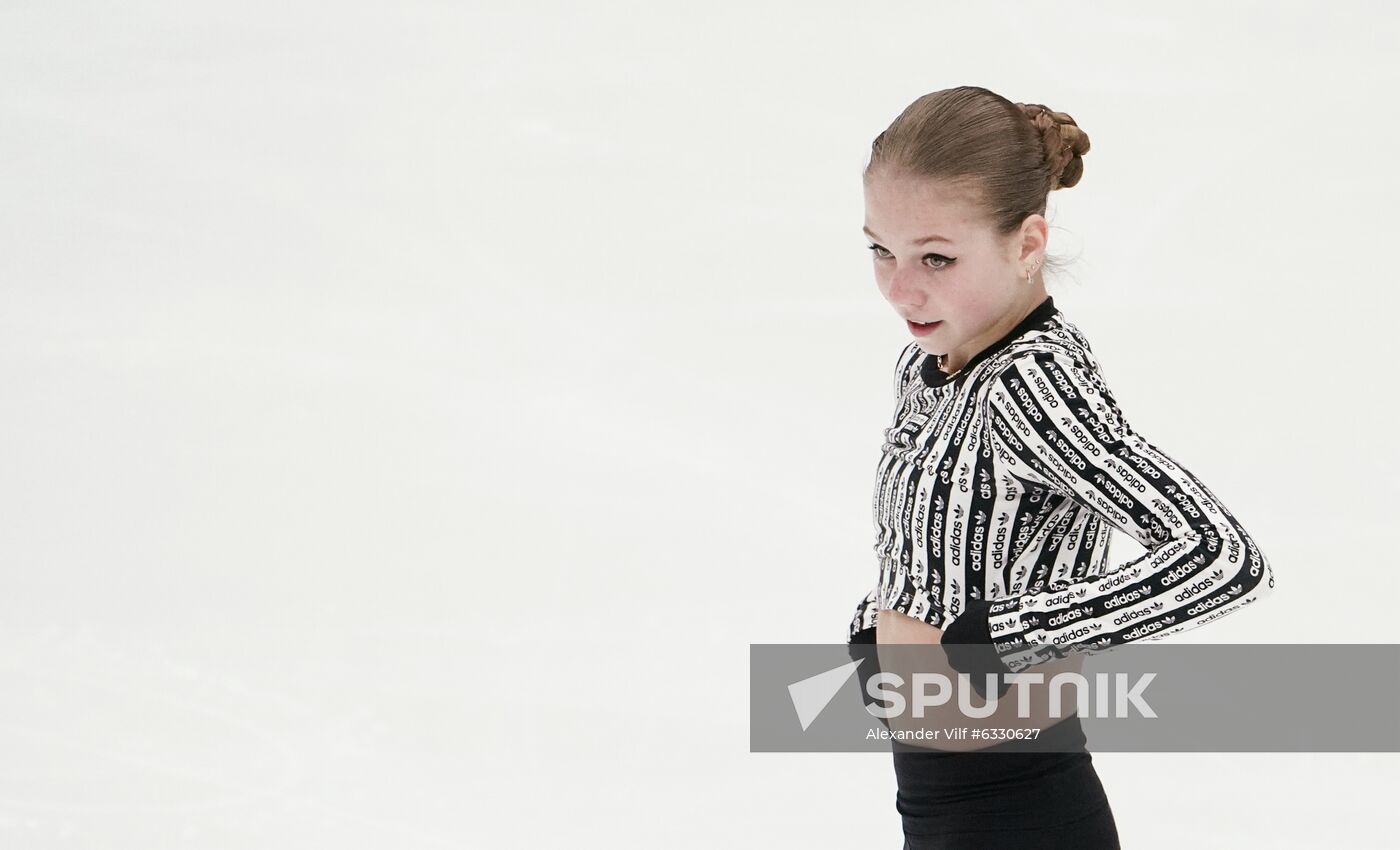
(903,209)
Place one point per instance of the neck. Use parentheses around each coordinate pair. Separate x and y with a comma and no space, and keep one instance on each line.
(953,362)
(938,370)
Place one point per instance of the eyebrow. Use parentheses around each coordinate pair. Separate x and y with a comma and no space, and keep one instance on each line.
(923,241)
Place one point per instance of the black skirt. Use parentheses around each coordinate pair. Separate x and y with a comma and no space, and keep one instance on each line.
(999,798)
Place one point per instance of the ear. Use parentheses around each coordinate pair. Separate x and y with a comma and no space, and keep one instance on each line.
(1034,236)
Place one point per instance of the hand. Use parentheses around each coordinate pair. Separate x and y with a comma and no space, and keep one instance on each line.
(967,641)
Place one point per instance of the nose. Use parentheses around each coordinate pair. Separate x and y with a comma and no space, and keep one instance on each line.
(904,289)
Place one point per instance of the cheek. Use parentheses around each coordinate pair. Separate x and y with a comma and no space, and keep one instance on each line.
(960,307)
(980,313)
(973,305)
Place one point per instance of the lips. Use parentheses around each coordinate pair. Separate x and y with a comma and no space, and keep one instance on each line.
(921,329)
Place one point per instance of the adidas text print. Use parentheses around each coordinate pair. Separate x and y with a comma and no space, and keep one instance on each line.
(1003,482)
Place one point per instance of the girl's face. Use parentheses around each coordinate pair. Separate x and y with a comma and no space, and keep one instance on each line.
(937,261)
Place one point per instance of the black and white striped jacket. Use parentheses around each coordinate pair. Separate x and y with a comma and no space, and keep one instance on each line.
(1002,483)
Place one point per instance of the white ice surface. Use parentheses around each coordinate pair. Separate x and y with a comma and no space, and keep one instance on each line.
(412,412)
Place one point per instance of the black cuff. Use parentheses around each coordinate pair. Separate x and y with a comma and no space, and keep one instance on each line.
(967,642)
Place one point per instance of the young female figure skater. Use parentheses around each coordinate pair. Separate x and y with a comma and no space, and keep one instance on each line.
(1006,467)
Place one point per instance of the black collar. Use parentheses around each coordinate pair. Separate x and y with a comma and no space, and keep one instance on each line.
(936,377)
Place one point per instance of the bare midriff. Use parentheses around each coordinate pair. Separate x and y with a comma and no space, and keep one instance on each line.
(895,629)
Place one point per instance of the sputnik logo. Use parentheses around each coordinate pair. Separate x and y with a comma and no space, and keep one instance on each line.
(812,695)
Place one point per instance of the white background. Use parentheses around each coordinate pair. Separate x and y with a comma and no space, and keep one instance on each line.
(412,412)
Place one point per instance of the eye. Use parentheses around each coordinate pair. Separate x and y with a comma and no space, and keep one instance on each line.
(943,262)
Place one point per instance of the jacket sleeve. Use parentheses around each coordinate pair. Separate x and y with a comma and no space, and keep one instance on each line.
(1052,422)
(863,619)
